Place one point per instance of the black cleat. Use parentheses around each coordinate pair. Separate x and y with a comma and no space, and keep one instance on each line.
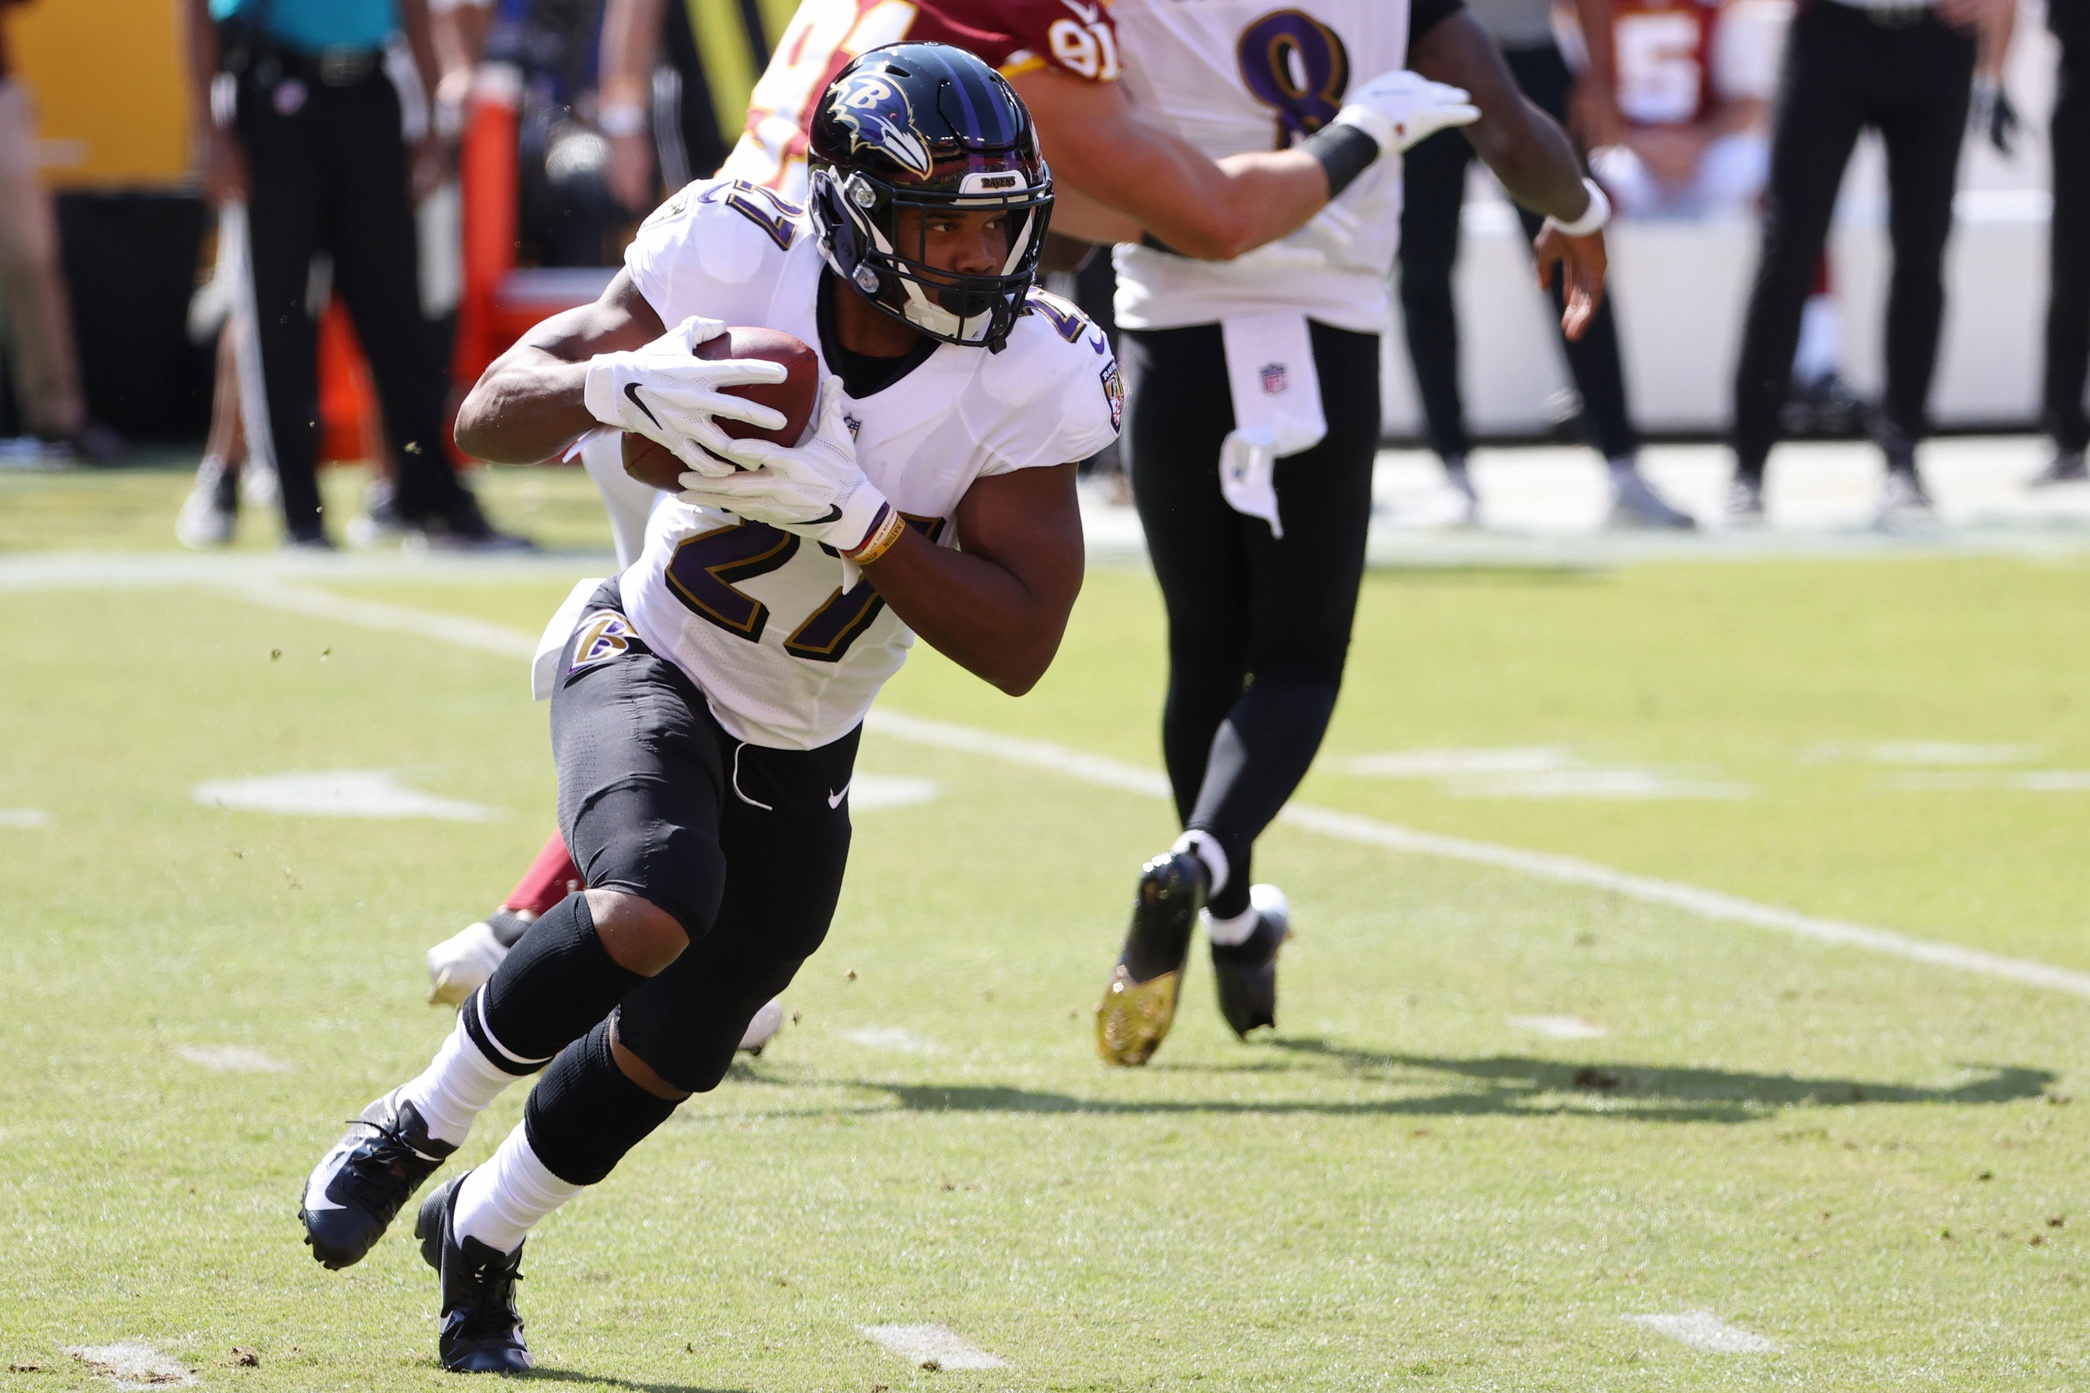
(481,1332)
(1139,1005)
(1247,971)
(359,1186)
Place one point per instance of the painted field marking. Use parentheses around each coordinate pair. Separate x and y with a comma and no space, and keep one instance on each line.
(1350,827)
(889,1037)
(459,632)
(132,1364)
(926,1345)
(232,1059)
(337,793)
(1541,865)
(1537,771)
(1702,1330)
(24,817)
(1561,1027)
(870,793)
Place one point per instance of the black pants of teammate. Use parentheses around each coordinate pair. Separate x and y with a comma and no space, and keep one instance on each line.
(2068,296)
(744,845)
(328,171)
(1844,71)
(1435,175)
(1258,628)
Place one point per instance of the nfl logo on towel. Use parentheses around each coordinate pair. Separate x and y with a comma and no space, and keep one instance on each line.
(1273,379)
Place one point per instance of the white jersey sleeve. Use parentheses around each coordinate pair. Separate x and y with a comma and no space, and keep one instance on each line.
(1072,400)
(715,248)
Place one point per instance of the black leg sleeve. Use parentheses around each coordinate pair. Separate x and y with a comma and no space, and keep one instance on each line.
(556,982)
(1820,112)
(1434,192)
(2068,293)
(584,1114)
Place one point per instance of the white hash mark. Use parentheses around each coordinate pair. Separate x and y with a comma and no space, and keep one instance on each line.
(24,817)
(132,1364)
(889,1037)
(337,793)
(232,1059)
(1561,1027)
(924,1344)
(1702,1330)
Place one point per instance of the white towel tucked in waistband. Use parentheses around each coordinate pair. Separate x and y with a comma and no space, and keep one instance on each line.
(1277,408)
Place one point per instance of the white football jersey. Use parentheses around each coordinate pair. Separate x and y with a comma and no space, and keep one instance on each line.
(1232,76)
(760,619)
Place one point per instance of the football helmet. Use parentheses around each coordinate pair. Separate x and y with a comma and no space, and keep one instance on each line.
(927,127)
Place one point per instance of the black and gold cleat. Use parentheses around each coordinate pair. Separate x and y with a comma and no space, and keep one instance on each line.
(1246,972)
(481,1332)
(1139,1005)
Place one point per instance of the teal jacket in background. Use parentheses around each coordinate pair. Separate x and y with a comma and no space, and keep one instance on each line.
(313,26)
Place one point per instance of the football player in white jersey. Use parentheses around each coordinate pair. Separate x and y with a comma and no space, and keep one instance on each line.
(1255,516)
(706,717)
(1117,176)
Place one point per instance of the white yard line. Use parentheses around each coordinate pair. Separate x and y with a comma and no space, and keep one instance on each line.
(931,1346)
(1349,827)
(1541,865)
(132,1364)
(497,639)
(1702,1330)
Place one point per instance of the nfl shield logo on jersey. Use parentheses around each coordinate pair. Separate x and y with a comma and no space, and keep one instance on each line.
(1114,393)
(1273,376)
(604,636)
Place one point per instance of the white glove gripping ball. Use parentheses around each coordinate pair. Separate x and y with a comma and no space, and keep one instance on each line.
(814,489)
(666,393)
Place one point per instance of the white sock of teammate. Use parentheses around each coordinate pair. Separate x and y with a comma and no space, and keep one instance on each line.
(1231,933)
(501,1201)
(456,1087)
(1206,848)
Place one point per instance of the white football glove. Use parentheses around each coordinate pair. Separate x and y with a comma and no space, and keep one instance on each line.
(1401,108)
(814,489)
(666,393)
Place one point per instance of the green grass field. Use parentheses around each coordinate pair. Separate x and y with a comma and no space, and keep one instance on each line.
(1875,1163)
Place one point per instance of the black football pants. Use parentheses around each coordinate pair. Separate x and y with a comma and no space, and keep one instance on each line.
(1845,71)
(1258,628)
(328,172)
(1435,192)
(2068,303)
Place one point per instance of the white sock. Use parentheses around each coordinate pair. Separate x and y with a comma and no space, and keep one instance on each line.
(456,1087)
(1231,933)
(1206,848)
(501,1201)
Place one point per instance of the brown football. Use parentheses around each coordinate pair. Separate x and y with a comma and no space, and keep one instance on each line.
(652,463)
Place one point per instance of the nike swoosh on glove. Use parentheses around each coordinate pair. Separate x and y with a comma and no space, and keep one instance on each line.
(666,393)
(1402,108)
(815,489)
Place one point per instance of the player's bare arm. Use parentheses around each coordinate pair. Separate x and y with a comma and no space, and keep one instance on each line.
(1529,153)
(999,607)
(536,399)
(529,403)
(1130,175)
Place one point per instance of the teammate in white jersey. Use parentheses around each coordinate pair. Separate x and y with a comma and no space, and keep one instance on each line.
(1255,516)
(707,714)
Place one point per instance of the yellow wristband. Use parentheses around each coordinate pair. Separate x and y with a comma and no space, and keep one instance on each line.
(881,540)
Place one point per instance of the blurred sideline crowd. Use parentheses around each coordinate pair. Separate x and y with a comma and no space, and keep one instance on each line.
(331,137)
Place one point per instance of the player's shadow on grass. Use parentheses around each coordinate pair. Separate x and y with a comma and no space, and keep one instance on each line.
(1510,1085)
